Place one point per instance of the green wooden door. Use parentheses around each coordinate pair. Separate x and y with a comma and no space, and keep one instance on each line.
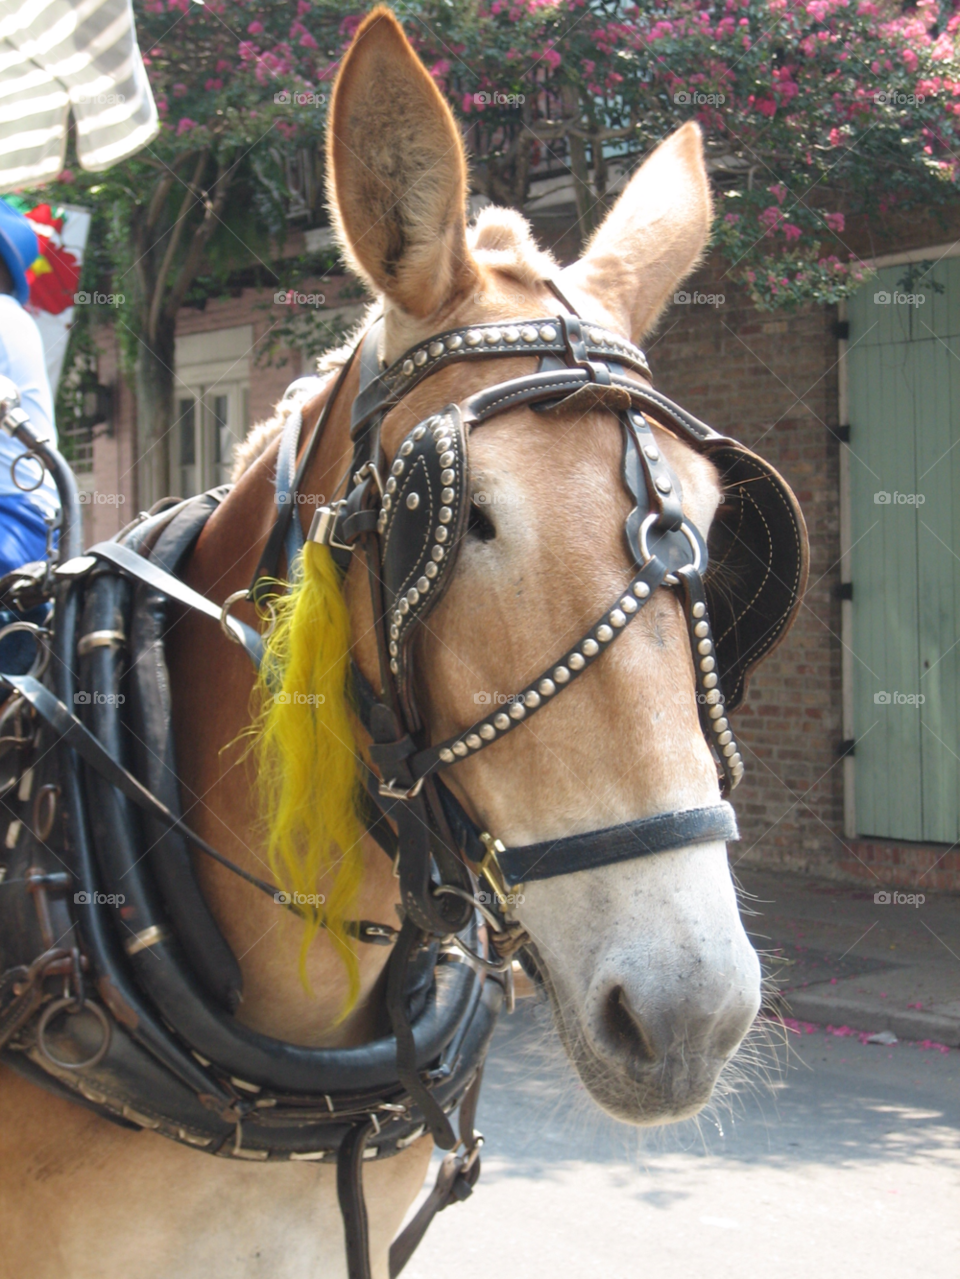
(904,465)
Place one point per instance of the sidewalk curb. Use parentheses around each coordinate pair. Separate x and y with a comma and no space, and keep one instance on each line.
(806,1005)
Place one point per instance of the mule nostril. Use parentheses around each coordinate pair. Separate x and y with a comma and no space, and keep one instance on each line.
(626,1028)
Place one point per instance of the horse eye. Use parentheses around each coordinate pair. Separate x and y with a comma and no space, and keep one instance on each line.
(480,525)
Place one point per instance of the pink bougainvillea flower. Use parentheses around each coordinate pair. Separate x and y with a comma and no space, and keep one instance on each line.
(835,221)
(185,125)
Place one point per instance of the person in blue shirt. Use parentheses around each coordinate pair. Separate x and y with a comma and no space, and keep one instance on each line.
(23,516)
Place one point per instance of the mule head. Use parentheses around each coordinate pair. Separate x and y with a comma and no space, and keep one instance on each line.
(653,980)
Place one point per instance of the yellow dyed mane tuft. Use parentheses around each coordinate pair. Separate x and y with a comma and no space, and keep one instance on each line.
(307,774)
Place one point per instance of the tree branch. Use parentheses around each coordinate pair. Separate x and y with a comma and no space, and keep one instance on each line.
(190,197)
(201,237)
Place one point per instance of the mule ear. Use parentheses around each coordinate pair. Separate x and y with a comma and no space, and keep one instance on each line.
(398,175)
(651,238)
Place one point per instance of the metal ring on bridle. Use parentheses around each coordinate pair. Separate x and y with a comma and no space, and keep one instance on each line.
(684,528)
(225,617)
(42,659)
(27,488)
(72,1006)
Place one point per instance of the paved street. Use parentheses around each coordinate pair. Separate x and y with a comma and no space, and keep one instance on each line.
(834,1158)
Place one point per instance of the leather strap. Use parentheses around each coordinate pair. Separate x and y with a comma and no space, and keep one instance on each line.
(284,492)
(650,835)
(353,1207)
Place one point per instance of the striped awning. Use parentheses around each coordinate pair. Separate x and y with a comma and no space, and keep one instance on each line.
(58,56)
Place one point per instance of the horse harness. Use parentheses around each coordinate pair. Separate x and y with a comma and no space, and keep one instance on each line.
(129,1008)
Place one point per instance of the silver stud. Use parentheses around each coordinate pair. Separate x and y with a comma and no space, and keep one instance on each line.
(447,495)
(394,650)
(413,595)
(448,458)
(663,483)
(454,342)
(618,618)
(561,674)
(473,741)
(736,761)
(431,570)
(459,749)
(576,661)
(443,443)
(487,732)
(596,335)
(729,749)
(397,468)
(628,604)
(394,666)
(701,629)
(492,337)
(440,534)
(419,432)
(406,448)
(511,334)
(547,687)
(720,725)
(652,452)
(474,338)
(528,333)
(704,647)
(420,358)
(382,521)
(436,348)
(715,711)
(641,589)
(438,552)
(387,501)
(423,585)
(447,477)
(532,699)
(517,710)
(699,609)
(439,427)
(446,515)
(394,632)
(713,697)
(391,485)
(548,333)
(590,648)
(407,368)
(413,501)
(446,754)
(398,617)
(707,664)
(724,737)
(709,681)
(502,721)
(604,634)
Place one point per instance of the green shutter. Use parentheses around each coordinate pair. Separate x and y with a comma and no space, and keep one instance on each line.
(904,395)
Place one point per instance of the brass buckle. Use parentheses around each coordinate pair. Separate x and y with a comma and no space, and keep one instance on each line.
(490,867)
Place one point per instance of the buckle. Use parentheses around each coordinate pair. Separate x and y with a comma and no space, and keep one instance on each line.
(688,533)
(324,526)
(490,867)
(390,790)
